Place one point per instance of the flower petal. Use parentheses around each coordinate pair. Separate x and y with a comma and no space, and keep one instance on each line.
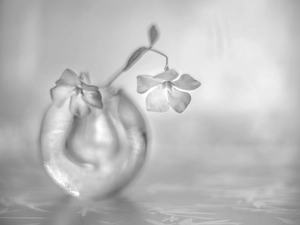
(85,77)
(93,98)
(178,100)
(88,87)
(69,78)
(78,107)
(186,82)
(146,82)
(168,75)
(60,94)
(156,101)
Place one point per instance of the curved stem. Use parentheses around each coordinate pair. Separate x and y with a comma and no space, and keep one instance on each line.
(120,71)
(114,77)
(158,52)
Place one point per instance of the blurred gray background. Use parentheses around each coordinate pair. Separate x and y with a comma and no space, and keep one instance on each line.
(245,54)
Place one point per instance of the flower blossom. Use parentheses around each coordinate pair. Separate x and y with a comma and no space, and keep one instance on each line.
(167,91)
(82,94)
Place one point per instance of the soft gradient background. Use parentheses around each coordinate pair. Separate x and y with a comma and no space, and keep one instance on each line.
(244,53)
(243,120)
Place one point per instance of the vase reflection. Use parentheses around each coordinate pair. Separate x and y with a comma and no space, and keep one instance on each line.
(110,212)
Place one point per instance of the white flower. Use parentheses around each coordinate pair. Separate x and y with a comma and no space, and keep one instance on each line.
(82,94)
(168,90)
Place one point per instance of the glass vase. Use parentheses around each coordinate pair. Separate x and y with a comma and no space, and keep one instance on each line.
(95,156)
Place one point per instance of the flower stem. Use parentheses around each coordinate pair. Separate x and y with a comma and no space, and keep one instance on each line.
(114,77)
(158,52)
(120,71)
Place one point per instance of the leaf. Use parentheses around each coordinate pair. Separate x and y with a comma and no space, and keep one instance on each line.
(153,35)
(135,57)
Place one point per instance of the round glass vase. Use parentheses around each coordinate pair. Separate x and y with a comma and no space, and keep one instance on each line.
(95,156)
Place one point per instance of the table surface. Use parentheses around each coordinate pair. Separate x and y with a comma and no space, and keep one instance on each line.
(161,195)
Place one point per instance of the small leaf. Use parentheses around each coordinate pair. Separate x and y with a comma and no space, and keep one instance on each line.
(135,57)
(153,35)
